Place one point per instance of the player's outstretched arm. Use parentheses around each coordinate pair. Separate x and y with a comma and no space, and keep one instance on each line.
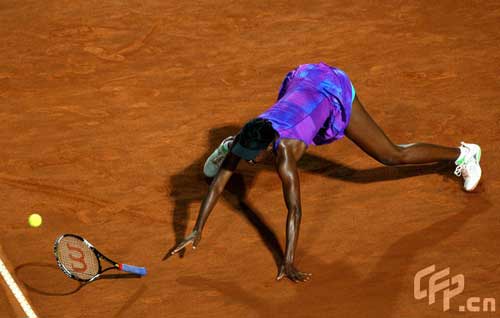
(287,170)
(214,192)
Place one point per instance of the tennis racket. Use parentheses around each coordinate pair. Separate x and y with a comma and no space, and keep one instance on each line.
(80,260)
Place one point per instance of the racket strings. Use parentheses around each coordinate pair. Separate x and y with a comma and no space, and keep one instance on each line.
(77,258)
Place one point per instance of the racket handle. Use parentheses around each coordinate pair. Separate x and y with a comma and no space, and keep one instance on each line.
(133,269)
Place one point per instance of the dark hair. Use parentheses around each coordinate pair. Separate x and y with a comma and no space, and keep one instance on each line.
(257,131)
(254,137)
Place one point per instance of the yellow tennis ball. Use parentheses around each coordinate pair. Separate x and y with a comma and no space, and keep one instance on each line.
(35,220)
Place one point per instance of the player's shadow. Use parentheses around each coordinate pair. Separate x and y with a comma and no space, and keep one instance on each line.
(339,288)
(33,277)
(190,185)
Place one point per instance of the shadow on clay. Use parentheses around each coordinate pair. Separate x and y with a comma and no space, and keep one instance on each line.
(31,274)
(190,186)
(337,286)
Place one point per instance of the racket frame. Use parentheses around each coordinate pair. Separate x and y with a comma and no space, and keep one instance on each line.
(98,255)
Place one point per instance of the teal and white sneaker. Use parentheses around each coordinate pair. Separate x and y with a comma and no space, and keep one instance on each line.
(468,165)
(214,161)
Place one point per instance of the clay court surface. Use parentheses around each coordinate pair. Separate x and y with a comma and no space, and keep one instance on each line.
(108,111)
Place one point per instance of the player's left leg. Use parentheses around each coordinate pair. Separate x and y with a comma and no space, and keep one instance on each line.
(365,133)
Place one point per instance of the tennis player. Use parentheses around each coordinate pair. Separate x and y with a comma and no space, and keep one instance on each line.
(317,104)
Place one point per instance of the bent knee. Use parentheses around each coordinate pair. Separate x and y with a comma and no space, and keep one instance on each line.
(396,156)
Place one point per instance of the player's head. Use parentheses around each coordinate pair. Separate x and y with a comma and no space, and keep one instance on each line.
(255,136)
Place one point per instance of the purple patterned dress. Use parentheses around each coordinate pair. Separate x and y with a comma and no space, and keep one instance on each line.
(314,104)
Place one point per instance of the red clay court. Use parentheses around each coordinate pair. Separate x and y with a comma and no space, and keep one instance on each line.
(108,111)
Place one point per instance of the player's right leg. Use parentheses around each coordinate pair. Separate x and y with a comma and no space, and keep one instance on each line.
(214,161)
(365,133)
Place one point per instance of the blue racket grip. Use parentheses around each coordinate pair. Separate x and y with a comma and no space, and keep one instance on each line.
(133,269)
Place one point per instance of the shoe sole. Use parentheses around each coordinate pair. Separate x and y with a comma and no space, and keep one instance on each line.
(478,157)
(209,165)
(475,185)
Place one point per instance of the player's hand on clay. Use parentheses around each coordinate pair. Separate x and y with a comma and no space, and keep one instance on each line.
(293,274)
(193,238)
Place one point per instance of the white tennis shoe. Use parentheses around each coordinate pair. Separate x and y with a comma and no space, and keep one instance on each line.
(215,160)
(468,165)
